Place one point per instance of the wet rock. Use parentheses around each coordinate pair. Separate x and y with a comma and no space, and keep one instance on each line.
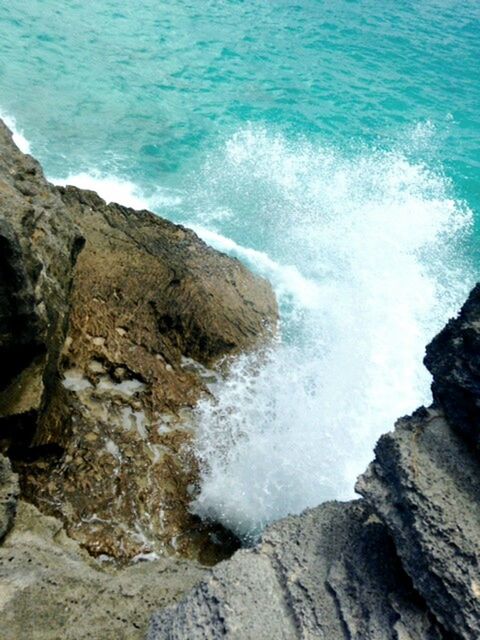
(147,296)
(51,588)
(330,573)
(112,322)
(425,485)
(404,562)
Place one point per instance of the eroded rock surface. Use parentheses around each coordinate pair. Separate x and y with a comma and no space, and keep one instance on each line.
(402,563)
(425,485)
(152,309)
(111,322)
(330,573)
(39,245)
(9,491)
(112,325)
(453,358)
(50,588)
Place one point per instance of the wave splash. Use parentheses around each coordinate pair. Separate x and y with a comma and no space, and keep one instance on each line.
(366,269)
(17,134)
(364,253)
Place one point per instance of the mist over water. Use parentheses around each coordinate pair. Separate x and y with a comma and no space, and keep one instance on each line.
(363,255)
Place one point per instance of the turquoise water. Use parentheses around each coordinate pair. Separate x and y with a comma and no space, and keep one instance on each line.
(149,86)
(333,146)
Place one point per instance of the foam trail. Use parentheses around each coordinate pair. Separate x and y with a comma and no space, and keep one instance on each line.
(362,253)
(286,279)
(18,137)
(110,188)
(120,190)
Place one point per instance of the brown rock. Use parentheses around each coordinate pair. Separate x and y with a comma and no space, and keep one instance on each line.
(124,352)
(38,249)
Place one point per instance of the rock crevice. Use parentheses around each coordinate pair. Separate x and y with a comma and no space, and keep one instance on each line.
(402,563)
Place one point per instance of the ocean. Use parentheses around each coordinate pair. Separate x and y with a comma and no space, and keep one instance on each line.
(332,146)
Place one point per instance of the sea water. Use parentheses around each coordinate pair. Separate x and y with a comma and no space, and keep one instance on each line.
(332,146)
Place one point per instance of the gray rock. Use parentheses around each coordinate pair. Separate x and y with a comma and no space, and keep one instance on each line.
(50,588)
(331,573)
(412,570)
(425,485)
(453,358)
(9,491)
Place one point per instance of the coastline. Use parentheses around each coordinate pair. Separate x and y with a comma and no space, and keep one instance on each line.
(381,562)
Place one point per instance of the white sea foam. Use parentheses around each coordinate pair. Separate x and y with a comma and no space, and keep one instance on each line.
(362,253)
(116,189)
(18,136)
(286,279)
(110,188)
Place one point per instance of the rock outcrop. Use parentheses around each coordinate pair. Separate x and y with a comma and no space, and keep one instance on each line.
(403,563)
(111,323)
(51,588)
(39,245)
(330,573)
(9,491)
(152,309)
(453,358)
(425,486)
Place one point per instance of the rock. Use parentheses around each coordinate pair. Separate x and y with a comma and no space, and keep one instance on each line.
(50,588)
(113,320)
(402,563)
(330,573)
(425,485)
(149,298)
(9,491)
(113,323)
(38,250)
(167,292)
(453,358)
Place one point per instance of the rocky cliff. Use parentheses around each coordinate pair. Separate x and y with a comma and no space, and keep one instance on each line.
(112,323)
(402,563)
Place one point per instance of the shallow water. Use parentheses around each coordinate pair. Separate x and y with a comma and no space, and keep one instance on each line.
(332,146)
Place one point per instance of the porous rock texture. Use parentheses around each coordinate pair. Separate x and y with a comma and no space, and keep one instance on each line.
(9,491)
(425,480)
(453,358)
(111,323)
(425,485)
(402,563)
(152,309)
(51,589)
(330,573)
(39,245)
